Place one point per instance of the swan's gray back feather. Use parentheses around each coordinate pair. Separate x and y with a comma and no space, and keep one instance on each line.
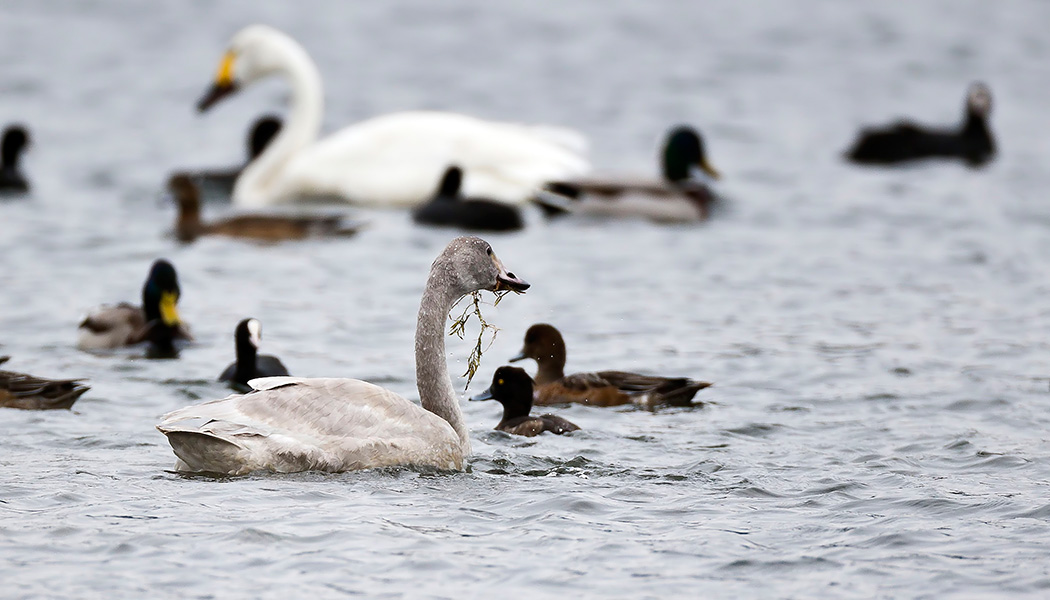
(292,424)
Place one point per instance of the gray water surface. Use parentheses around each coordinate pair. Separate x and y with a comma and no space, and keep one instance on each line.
(878,338)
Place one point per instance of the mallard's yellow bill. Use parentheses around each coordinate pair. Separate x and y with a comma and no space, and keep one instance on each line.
(168,313)
(707,168)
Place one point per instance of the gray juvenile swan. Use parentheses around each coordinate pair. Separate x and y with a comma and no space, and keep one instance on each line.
(290,424)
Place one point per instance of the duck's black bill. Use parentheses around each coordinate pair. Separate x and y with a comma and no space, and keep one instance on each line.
(518,356)
(216,92)
(508,281)
(486,395)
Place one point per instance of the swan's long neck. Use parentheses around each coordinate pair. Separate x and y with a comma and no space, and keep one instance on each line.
(432,378)
(300,129)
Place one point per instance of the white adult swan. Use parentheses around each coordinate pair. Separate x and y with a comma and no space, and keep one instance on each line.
(395,160)
(291,424)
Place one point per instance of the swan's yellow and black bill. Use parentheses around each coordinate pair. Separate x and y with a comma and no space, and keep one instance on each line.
(168,313)
(707,168)
(222,86)
(506,280)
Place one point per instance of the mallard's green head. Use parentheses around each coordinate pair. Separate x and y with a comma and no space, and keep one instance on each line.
(683,152)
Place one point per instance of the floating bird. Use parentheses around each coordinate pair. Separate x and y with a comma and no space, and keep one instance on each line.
(259,136)
(293,424)
(265,228)
(544,344)
(250,364)
(156,321)
(904,141)
(387,161)
(15,139)
(679,197)
(18,390)
(512,387)
(449,208)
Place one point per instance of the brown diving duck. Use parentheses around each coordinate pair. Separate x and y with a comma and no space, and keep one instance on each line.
(544,344)
(905,141)
(18,390)
(156,321)
(680,197)
(512,387)
(264,228)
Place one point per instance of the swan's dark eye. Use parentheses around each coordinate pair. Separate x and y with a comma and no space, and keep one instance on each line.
(488,251)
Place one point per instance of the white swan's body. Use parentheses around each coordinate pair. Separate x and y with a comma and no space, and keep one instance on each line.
(393,160)
(293,424)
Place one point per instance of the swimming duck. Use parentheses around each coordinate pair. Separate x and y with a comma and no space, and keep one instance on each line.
(18,390)
(448,208)
(678,197)
(15,139)
(265,228)
(259,136)
(157,321)
(293,424)
(544,344)
(387,161)
(250,364)
(904,141)
(512,387)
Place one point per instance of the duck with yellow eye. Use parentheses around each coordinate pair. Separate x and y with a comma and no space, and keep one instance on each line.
(682,195)
(512,387)
(156,321)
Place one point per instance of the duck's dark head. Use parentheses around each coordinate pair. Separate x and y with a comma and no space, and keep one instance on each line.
(160,295)
(451,181)
(511,387)
(979,100)
(264,130)
(684,151)
(16,138)
(543,343)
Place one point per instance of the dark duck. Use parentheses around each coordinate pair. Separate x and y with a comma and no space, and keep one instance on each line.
(450,209)
(512,387)
(906,141)
(250,364)
(15,140)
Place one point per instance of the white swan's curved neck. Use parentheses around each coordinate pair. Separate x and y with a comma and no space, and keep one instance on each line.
(301,125)
(432,378)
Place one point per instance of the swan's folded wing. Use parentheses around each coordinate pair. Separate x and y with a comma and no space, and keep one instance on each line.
(292,424)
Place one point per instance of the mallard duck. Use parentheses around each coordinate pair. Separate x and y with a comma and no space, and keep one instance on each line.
(290,424)
(220,181)
(679,197)
(512,387)
(972,141)
(250,364)
(18,390)
(544,344)
(15,139)
(448,208)
(388,161)
(264,228)
(157,321)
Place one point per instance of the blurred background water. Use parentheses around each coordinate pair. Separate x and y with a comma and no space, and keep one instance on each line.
(878,338)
